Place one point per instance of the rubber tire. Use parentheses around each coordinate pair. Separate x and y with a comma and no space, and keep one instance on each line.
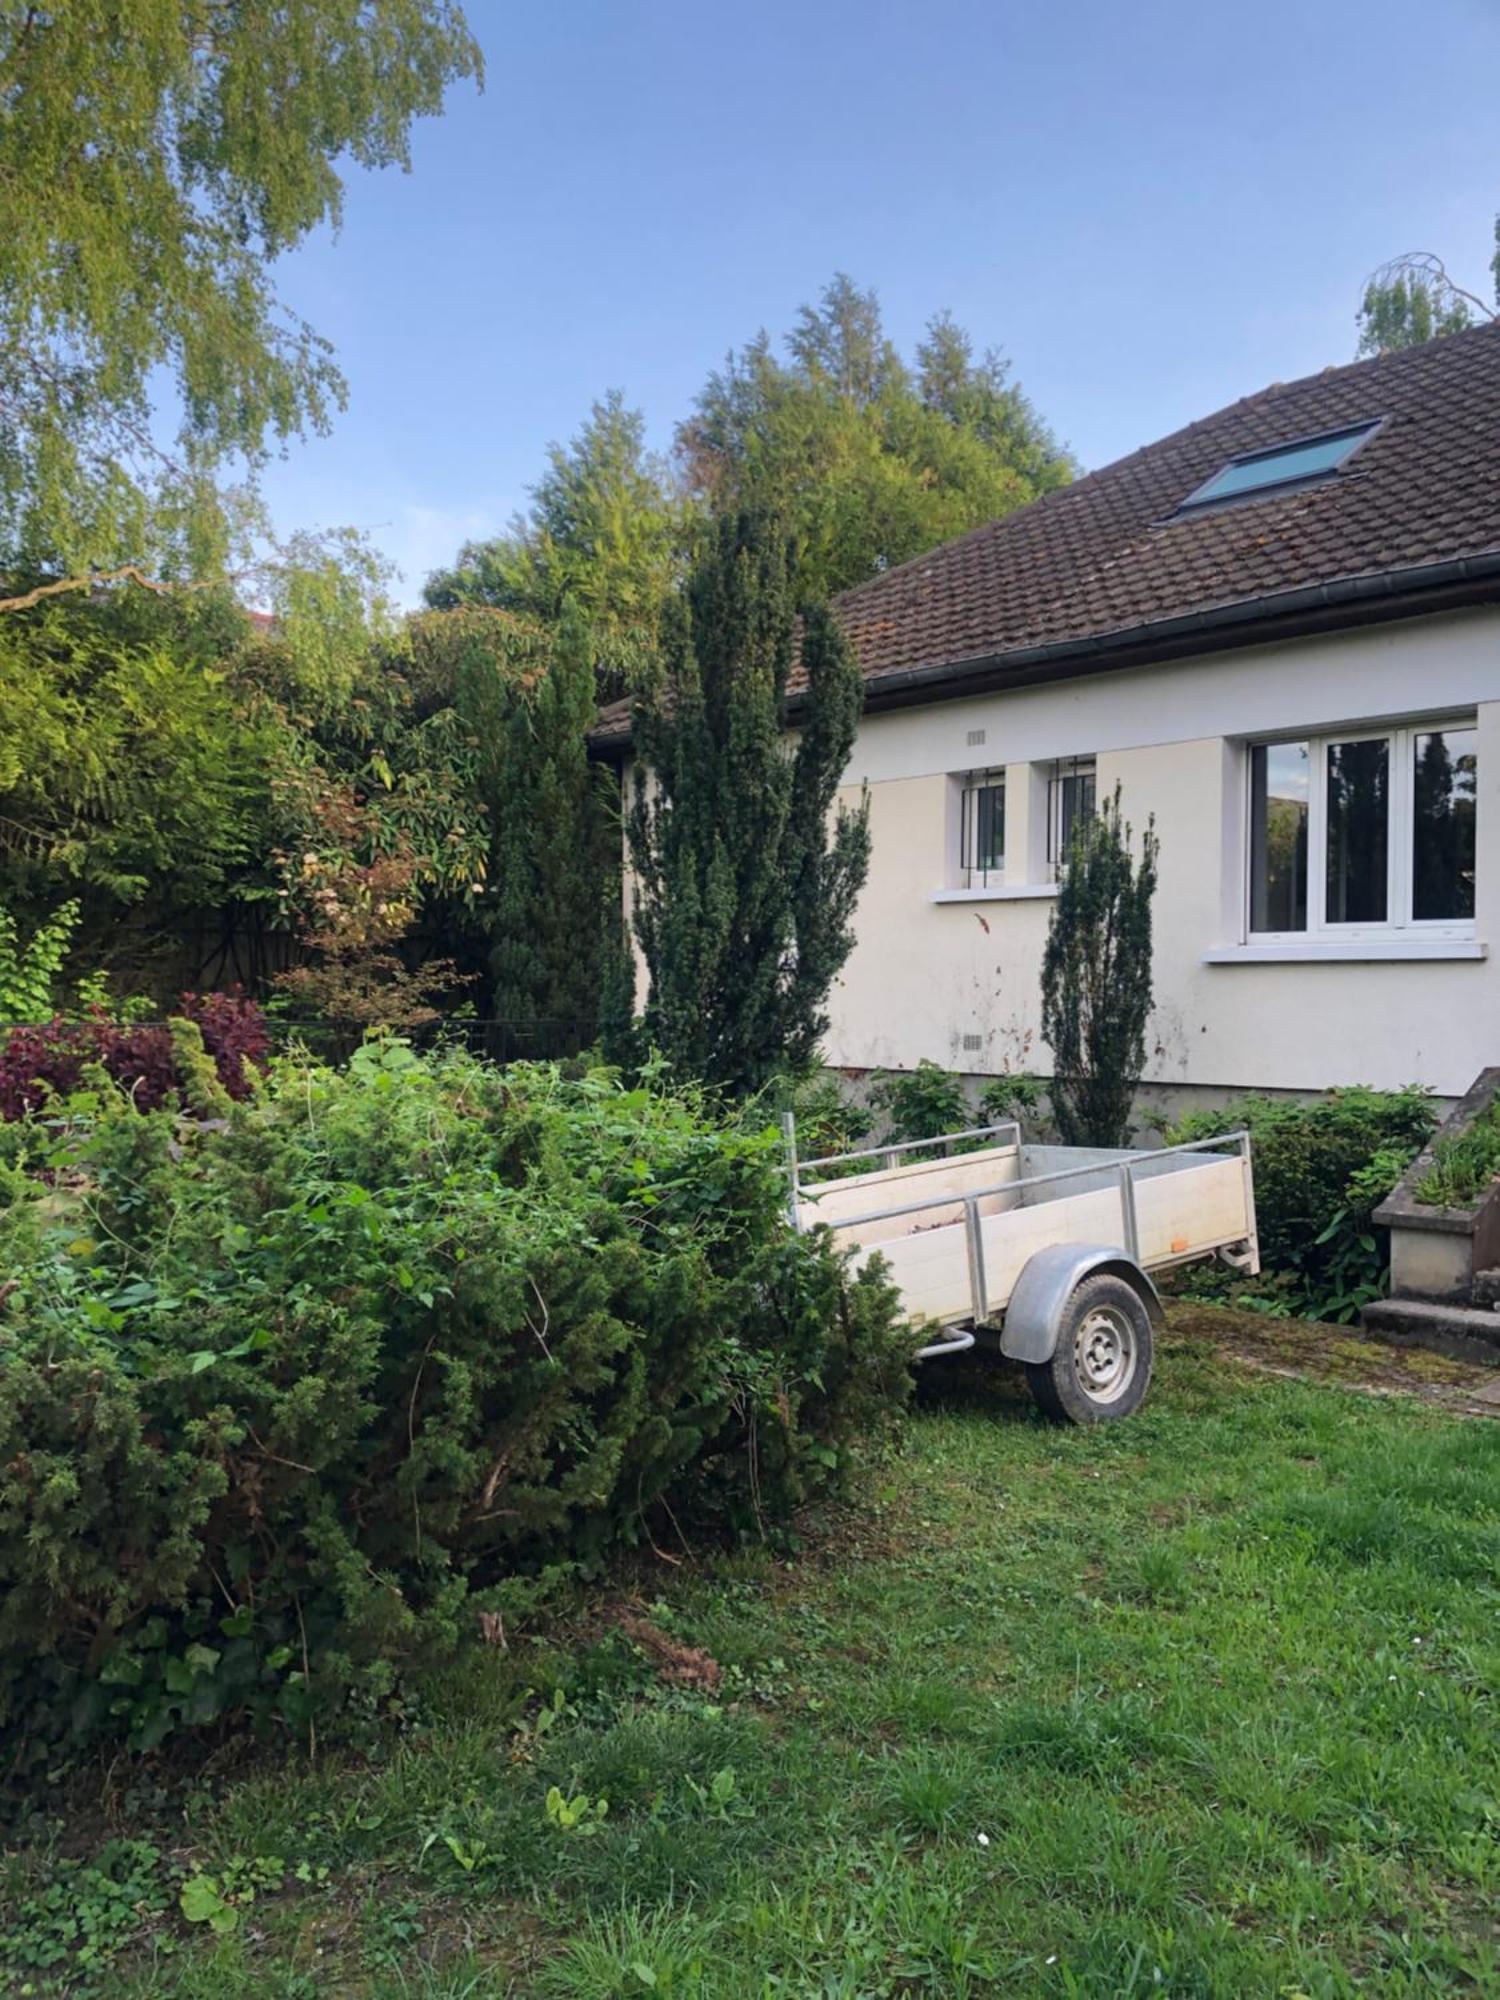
(1055,1384)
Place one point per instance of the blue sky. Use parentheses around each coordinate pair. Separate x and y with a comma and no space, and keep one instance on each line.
(1152,209)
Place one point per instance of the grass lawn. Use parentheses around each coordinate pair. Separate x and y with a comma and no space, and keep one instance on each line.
(1202,1703)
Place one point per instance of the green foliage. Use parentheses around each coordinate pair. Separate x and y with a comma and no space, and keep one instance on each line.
(603,535)
(328,595)
(134,775)
(828,1119)
(868,1804)
(579,1815)
(74,1926)
(522,693)
(1015,1095)
(1412,300)
(1096,978)
(1465,1165)
(380,813)
(29,972)
(155,162)
(871,462)
(746,877)
(292,1396)
(1407,312)
(921,1103)
(1321,1169)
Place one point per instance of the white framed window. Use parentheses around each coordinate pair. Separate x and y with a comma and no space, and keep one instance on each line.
(981,830)
(1072,783)
(1362,833)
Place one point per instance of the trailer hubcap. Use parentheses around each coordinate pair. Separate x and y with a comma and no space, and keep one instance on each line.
(1105,1352)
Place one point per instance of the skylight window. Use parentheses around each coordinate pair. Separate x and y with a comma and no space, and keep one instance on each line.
(1297,464)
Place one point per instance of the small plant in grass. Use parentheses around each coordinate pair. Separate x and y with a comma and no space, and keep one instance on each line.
(67,1935)
(721,1798)
(1465,1165)
(579,1814)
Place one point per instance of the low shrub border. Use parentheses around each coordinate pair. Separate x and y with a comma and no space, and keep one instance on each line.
(293,1396)
(42,1063)
(1321,1168)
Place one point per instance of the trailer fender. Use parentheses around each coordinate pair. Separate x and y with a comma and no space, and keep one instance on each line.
(1048,1280)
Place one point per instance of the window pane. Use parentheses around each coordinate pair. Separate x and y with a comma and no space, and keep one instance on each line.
(1071,800)
(1358,828)
(984,829)
(1278,836)
(1442,876)
(1274,468)
(992,827)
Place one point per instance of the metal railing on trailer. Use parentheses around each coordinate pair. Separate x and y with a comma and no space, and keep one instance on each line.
(1125,1165)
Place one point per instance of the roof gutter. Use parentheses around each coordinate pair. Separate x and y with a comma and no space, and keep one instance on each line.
(1350,601)
(1388,593)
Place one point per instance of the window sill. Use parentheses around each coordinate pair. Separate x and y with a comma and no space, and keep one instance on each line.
(1367,951)
(1017,892)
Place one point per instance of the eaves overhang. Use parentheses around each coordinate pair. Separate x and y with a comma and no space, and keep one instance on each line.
(1413,590)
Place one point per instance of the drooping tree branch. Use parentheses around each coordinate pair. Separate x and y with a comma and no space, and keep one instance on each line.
(126,573)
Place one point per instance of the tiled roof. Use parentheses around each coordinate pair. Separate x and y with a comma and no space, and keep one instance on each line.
(1109,555)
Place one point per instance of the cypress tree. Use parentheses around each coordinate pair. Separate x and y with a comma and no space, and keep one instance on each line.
(746,878)
(1096,978)
(525,694)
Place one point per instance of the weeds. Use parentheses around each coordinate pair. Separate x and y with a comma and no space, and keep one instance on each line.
(1464,1165)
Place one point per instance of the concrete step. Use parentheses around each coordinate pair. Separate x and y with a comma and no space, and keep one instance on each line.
(1466,1333)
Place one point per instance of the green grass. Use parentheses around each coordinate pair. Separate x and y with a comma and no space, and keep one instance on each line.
(1200,1704)
(1465,1165)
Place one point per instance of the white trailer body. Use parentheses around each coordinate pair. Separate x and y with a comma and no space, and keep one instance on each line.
(1000,1240)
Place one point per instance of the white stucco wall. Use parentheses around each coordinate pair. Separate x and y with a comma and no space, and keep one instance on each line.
(958,981)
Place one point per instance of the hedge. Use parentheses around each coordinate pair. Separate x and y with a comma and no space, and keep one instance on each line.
(1321,1167)
(296,1394)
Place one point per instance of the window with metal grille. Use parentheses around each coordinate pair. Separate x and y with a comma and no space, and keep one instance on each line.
(1070,800)
(982,838)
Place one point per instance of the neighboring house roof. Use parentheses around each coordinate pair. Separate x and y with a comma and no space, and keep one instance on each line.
(1106,571)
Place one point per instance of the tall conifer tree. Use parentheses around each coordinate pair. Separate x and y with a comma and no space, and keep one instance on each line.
(524,694)
(1096,978)
(746,876)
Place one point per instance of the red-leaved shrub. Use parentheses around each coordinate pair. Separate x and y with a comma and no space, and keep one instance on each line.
(46,1059)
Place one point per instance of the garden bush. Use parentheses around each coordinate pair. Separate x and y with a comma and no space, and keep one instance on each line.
(1321,1169)
(295,1395)
(829,1119)
(46,1061)
(921,1103)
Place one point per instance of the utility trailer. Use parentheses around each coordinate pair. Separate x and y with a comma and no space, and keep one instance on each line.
(1044,1253)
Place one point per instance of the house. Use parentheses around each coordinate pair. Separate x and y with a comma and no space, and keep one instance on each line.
(1278,632)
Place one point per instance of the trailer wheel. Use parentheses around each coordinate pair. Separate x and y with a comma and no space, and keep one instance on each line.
(1101,1366)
